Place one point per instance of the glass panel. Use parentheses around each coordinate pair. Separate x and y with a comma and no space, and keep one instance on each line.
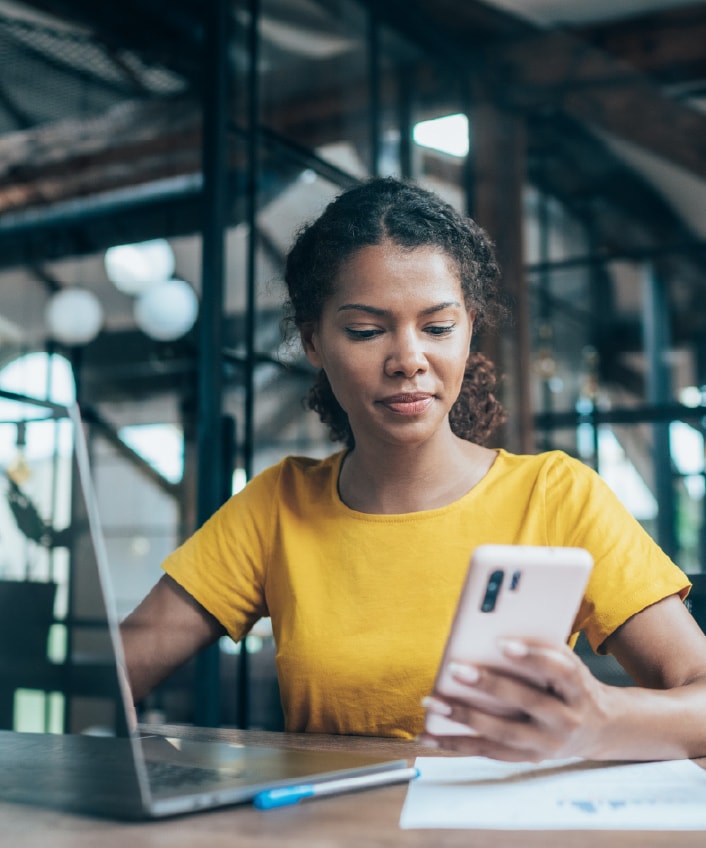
(314,85)
(440,120)
(55,642)
(399,63)
(687,449)
(282,375)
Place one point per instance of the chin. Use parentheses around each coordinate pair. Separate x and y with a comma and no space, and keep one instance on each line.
(401,433)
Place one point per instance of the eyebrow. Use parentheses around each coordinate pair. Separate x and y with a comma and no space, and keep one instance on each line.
(374,310)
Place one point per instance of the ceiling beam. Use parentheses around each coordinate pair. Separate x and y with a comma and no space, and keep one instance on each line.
(168,33)
(143,142)
(558,71)
(132,143)
(561,73)
(531,69)
(668,45)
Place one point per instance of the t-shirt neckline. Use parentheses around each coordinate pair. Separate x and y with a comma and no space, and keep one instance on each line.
(473,492)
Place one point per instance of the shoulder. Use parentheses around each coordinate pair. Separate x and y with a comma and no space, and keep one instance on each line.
(305,469)
(548,466)
(288,485)
(561,481)
(301,475)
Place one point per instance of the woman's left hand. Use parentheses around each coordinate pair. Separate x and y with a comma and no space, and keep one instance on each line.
(552,707)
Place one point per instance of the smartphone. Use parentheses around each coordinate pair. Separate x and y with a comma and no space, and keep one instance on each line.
(525,591)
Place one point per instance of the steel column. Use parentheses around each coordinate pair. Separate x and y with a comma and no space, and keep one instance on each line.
(656,346)
(209,489)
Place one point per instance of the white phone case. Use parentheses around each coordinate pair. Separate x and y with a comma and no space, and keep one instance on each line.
(525,591)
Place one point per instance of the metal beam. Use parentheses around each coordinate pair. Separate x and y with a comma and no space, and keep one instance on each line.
(209,490)
(656,343)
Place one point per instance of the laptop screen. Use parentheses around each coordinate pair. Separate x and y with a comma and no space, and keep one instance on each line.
(57,648)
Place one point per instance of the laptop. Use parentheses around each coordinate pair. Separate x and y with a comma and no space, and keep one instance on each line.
(86,758)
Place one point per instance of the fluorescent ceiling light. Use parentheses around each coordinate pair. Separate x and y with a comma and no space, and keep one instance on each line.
(448,134)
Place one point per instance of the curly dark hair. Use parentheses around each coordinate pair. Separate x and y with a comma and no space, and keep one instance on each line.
(387,209)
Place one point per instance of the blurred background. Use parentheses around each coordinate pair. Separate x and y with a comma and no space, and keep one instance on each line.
(156,160)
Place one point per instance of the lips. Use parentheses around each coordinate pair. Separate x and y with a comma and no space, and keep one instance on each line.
(408,403)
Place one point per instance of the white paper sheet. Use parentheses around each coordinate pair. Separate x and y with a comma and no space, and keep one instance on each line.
(473,792)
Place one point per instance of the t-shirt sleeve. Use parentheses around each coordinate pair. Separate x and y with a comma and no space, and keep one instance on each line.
(630,573)
(223,564)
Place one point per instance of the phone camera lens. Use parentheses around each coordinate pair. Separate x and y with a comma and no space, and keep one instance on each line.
(492,590)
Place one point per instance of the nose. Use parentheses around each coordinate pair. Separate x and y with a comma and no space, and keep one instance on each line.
(407,356)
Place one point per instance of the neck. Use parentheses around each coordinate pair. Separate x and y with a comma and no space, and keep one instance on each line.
(392,479)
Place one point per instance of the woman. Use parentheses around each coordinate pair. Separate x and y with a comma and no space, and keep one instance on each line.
(359,558)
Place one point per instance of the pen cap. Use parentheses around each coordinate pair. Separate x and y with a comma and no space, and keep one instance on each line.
(281,797)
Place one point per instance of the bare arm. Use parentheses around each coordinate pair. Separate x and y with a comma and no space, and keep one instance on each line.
(660,647)
(164,631)
(664,650)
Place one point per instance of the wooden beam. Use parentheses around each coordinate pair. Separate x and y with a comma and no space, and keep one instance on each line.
(558,71)
(669,45)
(499,180)
(475,22)
(533,69)
(165,33)
(139,142)
(128,145)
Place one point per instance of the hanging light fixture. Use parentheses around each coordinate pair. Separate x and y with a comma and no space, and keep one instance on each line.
(133,268)
(74,316)
(167,310)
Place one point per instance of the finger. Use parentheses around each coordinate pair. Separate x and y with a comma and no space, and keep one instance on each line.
(499,693)
(515,714)
(536,731)
(549,668)
(479,746)
(541,725)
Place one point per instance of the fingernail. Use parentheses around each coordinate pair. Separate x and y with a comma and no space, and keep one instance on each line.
(436,706)
(513,648)
(427,742)
(465,673)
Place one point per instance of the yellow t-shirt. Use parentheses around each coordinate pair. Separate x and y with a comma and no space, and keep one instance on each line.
(361,604)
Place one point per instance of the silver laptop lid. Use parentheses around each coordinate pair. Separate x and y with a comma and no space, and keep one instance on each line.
(59,643)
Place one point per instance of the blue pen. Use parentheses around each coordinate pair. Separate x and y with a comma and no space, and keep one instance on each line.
(283,796)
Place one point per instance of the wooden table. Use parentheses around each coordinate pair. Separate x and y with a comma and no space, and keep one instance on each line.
(364,820)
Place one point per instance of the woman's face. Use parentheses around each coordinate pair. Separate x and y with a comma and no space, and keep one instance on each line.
(393,339)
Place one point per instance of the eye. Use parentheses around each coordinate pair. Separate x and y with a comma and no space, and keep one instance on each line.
(361,335)
(439,329)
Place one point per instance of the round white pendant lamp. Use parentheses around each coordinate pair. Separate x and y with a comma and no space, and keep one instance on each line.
(133,268)
(167,310)
(74,316)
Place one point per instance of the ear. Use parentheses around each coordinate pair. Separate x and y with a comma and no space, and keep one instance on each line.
(310,340)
